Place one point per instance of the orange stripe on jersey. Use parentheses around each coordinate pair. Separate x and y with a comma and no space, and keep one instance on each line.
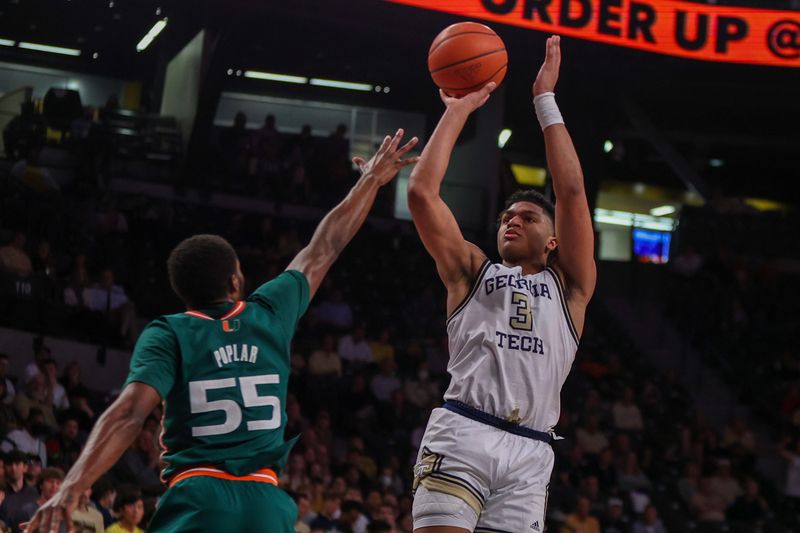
(238,308)
(198,314)
(264,475)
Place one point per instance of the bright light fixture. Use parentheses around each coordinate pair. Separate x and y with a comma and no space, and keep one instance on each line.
(321,82)
(503,138)
(662,210)
(152,34)
(51,49)
(7,42)
(635,220)
(286,78)
(716,163)
(608,146)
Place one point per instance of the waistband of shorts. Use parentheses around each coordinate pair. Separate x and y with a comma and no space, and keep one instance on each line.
(262,475)
(485,418)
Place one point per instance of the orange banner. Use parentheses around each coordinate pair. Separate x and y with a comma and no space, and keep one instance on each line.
(672,27)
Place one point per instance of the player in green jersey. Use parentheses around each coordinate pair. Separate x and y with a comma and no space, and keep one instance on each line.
(221,369)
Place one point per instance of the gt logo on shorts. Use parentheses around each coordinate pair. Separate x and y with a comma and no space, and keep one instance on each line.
(428,464)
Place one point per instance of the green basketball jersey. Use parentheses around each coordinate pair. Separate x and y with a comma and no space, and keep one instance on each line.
(223,374)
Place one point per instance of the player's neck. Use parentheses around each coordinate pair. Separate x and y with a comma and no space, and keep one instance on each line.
(528,267)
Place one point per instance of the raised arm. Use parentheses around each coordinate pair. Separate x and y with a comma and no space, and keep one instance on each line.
(341,224)
(457,260)
(573,221)
(114,432)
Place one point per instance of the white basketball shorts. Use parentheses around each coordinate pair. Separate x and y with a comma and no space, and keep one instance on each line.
(477,477)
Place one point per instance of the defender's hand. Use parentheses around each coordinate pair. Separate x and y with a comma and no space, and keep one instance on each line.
(469,102)
(53,513)
(388,160)
(548,73)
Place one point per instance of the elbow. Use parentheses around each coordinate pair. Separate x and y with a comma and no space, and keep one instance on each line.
(418,195)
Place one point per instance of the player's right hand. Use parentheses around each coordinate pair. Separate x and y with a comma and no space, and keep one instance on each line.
(471,101)
(55,512)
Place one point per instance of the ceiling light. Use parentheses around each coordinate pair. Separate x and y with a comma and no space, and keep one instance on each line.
(152,34)
(95,55)
(271,76)
(51,49)
(503,138)
(387,89)
(662,210)
(716,163)
(608,146)
(7,42)
(321,82)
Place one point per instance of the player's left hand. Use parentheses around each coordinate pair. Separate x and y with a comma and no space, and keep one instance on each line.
(56,511)
(388,160)
(469,102)
(548,74)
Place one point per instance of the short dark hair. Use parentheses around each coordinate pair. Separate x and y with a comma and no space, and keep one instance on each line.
(199,269)
(534,197)
(51,472)
(350,505)
(126,496)
(101,487)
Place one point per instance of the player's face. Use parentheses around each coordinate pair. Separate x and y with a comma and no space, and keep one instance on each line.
(525,233)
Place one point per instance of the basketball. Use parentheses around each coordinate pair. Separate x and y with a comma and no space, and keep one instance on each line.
(466,56)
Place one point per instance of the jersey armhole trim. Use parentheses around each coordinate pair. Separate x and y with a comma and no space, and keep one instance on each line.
(475,285)
(560,288)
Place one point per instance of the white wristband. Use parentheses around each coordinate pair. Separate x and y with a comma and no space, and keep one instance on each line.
(547,110)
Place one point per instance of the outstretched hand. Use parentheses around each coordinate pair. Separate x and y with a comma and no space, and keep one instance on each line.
(469,102)
(388,160)
(548,73)
(53,513)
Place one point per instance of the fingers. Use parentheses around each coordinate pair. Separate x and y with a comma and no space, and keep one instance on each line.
(385,144)
(443,95)
(396,139)
(410,161)
(359,161)
(408,146)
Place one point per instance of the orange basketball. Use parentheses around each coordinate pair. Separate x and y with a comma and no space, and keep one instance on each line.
(466,56)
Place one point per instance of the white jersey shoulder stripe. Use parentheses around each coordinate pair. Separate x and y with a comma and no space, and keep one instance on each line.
(477,283)
(560,288)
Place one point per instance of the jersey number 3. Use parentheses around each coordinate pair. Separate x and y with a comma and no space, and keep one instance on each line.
(523,318)
(233,413)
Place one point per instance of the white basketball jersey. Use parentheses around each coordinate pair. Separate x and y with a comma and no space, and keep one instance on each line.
(512,344)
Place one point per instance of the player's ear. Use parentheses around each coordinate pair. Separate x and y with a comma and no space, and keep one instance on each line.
(552,244)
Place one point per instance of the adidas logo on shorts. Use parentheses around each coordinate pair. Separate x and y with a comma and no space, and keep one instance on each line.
(535,526)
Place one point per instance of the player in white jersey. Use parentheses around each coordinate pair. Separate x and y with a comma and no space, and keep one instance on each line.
(485,460)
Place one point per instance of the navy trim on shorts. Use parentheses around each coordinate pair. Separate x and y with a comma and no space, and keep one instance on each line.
(485,418)
(490,530)
(481,272)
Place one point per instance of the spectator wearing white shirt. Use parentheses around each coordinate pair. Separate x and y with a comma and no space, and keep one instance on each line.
(27,438)
(590,438)
(385,382)
(354,347)
(626,414)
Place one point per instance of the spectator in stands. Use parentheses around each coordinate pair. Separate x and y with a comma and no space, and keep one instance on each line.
(110,300)
(615,520)
(382,348)
(580,521)
(708,506)
(354,348)
(8,417)
(71,380)
(590,438)
(55,390)
(75,292)
(104,495)
(63,449)
(420,389)
(304,513)
(48,483)
(604,468)
(689,484)
(325,361)
(334,312)
(10,390)
(129,508)
(85,517)
(739,441)
(351,518)
(32,175)
(14,259)
(626,414)
(790,452)
(328,514)
(385,382)
(35,397)
(139,464)
(17,492)
(724,484)
(649,523)
(749,508)
(28,438)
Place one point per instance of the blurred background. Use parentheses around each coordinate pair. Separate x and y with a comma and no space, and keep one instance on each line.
(130,125)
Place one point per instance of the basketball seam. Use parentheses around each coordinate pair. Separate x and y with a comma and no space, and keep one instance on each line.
(477,84)
(459,34)
(468,59)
